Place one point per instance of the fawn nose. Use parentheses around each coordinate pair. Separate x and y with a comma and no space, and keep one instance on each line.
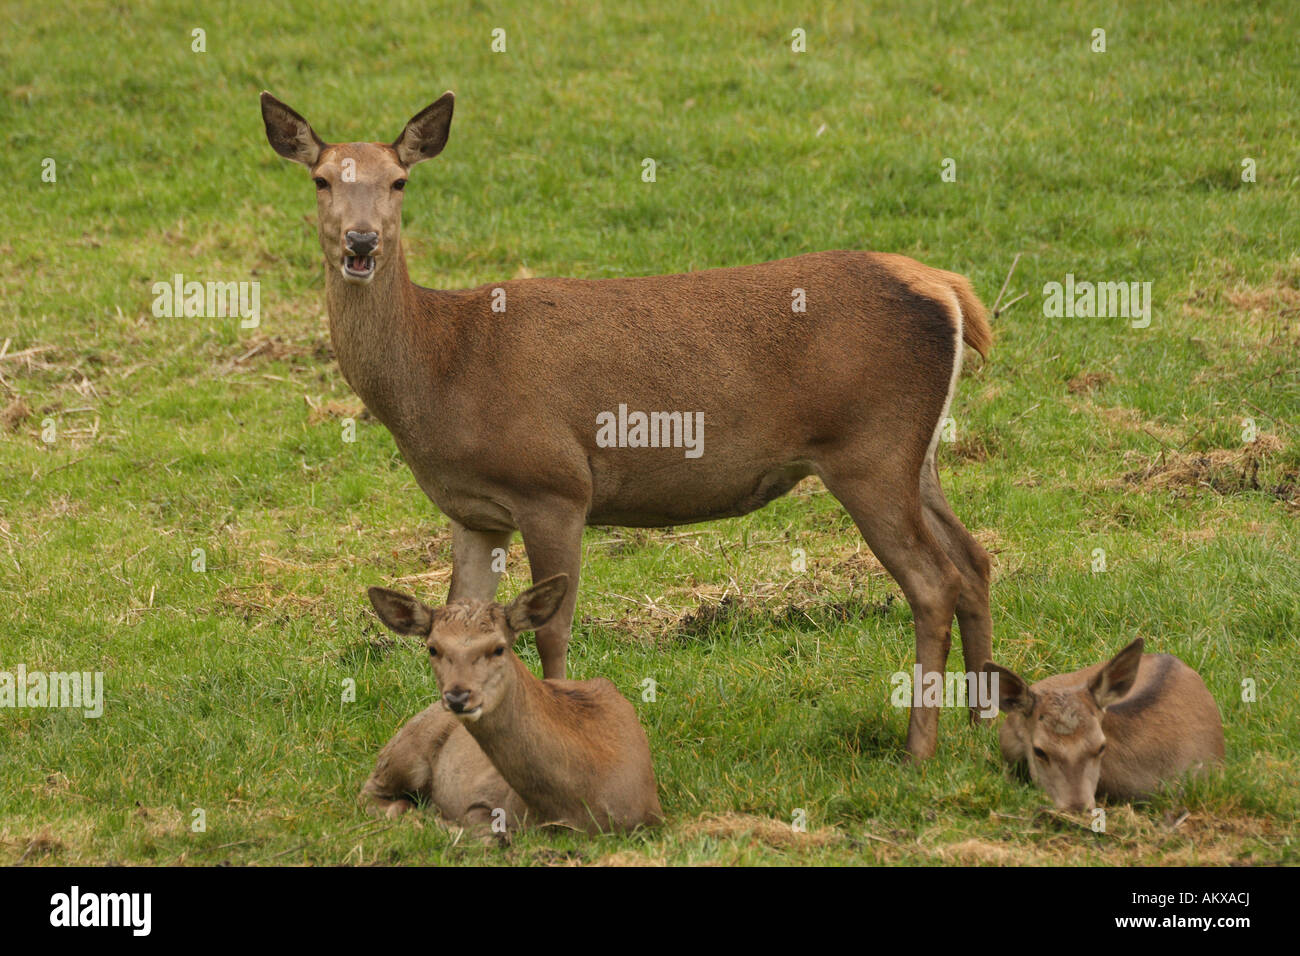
(456,698)
(361,243)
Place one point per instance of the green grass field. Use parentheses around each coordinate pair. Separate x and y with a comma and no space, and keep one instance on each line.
(224,688)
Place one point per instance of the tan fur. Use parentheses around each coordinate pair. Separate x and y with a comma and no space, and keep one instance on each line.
(496,412)
(1152,714)
(522,751)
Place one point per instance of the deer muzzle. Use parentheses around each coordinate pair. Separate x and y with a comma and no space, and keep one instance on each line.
(359,255)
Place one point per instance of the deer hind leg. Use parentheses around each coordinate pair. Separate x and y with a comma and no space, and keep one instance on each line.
(889,515)
(972,561)
(474,557)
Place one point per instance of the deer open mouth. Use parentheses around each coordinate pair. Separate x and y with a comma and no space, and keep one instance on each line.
(359,268)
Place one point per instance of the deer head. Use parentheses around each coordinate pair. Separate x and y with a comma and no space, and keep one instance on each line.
(1059,731)
(470,642)
(358,185)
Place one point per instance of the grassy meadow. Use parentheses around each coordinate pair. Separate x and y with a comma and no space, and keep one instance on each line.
(129,441)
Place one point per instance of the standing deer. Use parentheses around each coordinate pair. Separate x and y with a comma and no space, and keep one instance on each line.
(1118,728)
(501,742)
(499,414)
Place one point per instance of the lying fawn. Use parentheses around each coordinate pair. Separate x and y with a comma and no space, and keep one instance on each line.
(1118,728)
(501,746)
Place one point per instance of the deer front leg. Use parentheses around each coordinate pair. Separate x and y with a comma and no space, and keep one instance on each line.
(473,563)
(552,535)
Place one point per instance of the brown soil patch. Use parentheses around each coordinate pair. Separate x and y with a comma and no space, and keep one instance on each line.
(774,833)
(983,853)
(334,409)
(160,821)
(256,601)
(1087,382)
(972,448)
(630,858)
(15,413)
(1131,419)
(268,348)
(1226,471)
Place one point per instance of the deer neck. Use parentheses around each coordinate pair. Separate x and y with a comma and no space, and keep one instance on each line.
(528,743)
(378,332)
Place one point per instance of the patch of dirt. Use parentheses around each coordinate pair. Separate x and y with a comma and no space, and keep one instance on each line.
(432,548)
(767,589)
(1247,322)
(983,853)
(56,784)
(33,847)
(774,833)
(1088,382)
(974,448)
(258,601)
(1131,419)
(624,858)
(270,348)
(15,413)
(334,409)
(160,821)
(1268,306)
(1226,471)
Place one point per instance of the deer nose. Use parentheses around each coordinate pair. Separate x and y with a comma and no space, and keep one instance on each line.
(361,243)
(456,698)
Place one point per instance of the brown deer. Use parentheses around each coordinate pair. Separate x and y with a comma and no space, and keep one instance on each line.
(1119,728)
(503,399)
(500,746)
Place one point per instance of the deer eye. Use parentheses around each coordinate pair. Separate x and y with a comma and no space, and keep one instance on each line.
(433,652)
(1101,750)
(400,185)
(321,183)
(499,651)
(1040,754)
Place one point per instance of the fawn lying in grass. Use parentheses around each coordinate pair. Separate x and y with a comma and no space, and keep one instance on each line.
(500,749)
(1118,728)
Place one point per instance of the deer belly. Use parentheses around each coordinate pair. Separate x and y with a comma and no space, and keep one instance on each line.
(663,493)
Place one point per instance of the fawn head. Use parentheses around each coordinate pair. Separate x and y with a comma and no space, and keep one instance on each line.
(469,642)
(1059,731)
(358,185)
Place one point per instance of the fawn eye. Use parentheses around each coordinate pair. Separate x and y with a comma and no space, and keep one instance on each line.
(321,183)
(433,652)
(1040,754)
(1101,750)
(499,651)
(400,185)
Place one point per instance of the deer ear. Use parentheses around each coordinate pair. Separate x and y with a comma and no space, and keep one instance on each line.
(1117,677)
(289,134)
(426,134)
(400,612)
(538,604)
(1013,694)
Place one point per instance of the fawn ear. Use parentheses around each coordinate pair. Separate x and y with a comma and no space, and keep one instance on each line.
(289,134)
(538,604)
(1013,694)
(1117,677)
(400,612)
(426,133)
